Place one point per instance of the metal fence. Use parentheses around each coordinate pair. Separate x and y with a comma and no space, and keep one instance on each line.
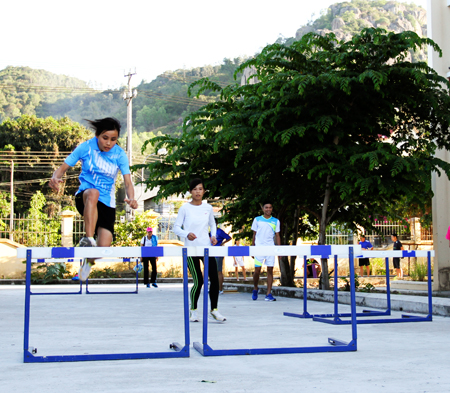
(339,234)
(31,231)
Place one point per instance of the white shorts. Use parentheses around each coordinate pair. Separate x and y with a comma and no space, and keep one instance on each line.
(238,261)
(268,261)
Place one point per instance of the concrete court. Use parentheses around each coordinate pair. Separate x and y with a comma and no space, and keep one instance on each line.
(406,357)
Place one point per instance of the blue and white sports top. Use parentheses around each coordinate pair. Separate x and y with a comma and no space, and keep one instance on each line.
(99,168)
(265,229)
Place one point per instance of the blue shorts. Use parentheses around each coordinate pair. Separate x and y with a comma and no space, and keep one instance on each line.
(269,261)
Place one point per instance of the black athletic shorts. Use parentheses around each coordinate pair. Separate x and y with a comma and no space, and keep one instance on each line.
(396,262)
(364,262)
(106,214)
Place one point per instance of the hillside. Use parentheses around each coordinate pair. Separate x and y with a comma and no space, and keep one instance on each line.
(347,18)
(162,104)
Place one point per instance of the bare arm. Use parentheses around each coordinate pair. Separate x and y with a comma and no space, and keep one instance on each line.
(254,236)
(277,239)
(130,192)
(57,177)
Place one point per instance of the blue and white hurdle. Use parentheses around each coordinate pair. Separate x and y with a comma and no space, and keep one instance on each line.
(62,253)
(335,319)
(206,252)
(306,251)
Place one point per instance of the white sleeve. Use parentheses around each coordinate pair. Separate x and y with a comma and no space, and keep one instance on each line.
(212,223)
(143,241)
(177,227)
(277,227)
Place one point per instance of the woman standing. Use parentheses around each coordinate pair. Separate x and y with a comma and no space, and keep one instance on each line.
(95,200)
(193,223)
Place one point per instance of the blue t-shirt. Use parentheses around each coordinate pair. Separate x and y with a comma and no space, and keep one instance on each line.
(99,168)
(221,236)
(366,244)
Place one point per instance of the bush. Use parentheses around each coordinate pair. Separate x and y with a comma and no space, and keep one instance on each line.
(418,272)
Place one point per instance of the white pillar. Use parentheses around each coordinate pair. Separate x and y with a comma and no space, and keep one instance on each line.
(67,228)
(438,15)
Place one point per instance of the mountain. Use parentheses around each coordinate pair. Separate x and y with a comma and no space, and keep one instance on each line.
(347,18)
(162,104)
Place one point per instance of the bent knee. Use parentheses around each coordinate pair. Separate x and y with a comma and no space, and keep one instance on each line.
(91,194)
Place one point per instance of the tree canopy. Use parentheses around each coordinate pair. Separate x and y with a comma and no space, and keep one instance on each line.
(332,131)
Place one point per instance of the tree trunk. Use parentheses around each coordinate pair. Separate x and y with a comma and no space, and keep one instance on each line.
(325,282)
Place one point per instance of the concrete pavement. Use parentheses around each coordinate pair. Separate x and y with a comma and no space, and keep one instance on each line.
(405,357)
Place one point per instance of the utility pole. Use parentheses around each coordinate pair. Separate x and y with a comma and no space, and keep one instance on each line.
(128,96)
(11,214)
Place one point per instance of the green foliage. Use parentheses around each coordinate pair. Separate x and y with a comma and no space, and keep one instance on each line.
(48,272)
(419,271)
(347,283)
(367,287)
(311,134)
(129,234)
(378,266)
(32,134)
(23,90)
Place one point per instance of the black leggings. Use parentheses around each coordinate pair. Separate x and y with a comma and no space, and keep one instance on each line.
(196,272)
(145,261)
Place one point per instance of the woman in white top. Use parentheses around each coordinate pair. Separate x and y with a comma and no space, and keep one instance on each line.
(194,222)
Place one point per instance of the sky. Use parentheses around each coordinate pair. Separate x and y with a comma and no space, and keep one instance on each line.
(100,41)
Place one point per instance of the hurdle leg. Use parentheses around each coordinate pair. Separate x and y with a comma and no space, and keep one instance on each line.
(305,295)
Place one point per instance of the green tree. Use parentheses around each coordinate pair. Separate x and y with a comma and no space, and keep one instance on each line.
(334,130)
(37,143)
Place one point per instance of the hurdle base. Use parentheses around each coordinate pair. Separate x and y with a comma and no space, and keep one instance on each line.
(294,315)
(404,318)
(30,358)
(336,346)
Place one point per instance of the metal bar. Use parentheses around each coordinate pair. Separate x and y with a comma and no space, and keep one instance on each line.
(186,300)
(430,292)
(26,330)
(352,295)
(205,296)
(388,285)
(336,298)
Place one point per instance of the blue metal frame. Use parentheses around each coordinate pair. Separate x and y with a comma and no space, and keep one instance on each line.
(58,293)
(336,318)
(336,345)
(88,292)
(179,351)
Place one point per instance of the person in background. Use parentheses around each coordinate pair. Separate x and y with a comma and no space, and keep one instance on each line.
(150,240)
(365,245)
(239,261)
(222,237)
(194,222)
(266,232)
(396,261)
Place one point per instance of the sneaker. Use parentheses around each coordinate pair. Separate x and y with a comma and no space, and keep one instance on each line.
(85,270)
(255,294)
(193,316)
(154,285)
(138,268)
(87,242)
(217,315)
(76,278)
(220,292)
(148,285)
(270,298)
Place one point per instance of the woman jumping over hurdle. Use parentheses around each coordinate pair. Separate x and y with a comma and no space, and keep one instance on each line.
(194,222)
(101,159)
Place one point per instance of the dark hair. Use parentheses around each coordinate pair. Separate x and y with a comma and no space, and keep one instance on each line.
(364,236)
(267,203)
(106,124)
(394,234)
(194,183)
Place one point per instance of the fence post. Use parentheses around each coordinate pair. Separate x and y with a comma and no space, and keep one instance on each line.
(67,228)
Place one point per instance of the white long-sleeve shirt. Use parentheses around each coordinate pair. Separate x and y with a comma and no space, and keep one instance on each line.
(198,219)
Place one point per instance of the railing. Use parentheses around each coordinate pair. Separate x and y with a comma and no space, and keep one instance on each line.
(32,231)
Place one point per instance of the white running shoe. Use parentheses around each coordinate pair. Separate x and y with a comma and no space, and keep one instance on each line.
(217,315)
(87,242)
(193,316)
(85,270)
